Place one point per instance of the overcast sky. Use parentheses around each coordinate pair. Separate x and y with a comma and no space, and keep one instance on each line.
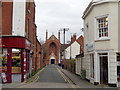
(54,15)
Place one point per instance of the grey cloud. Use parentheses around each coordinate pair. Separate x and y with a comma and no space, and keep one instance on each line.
(56,14)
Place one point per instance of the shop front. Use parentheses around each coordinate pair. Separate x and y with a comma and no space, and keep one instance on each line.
(118,69)
(103,66)
(15,56)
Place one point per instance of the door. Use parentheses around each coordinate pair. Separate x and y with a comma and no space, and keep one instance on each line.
(52,61)
(103,69)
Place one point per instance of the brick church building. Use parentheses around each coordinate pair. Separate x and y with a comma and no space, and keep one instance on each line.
(52,49)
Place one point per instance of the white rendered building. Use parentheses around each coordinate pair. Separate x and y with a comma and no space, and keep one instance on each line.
(102,42)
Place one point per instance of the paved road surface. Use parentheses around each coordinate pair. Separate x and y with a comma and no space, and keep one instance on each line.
(54,76)
(51,74)
(50,77)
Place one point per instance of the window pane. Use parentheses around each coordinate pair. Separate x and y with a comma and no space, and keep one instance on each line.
(118,66)
(92,65)
(103,27)
(4,59)
(99,35)
(16,60)
(106,32)
(98,21)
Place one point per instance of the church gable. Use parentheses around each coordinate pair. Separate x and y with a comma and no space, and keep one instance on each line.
(52,38)
(53,49)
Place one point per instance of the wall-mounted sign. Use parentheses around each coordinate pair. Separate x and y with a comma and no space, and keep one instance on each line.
(118,63)
(90,47)
(27,44)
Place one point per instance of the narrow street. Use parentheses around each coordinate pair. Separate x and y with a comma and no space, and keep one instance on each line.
(51,77)
(51,74)
(60,44)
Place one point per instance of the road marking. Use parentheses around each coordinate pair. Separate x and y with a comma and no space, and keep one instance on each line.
(37,77)
(66,79)
(35,80)
(62,75)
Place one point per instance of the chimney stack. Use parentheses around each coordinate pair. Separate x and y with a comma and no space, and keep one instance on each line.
(59,36)
(46,35)
(73,38)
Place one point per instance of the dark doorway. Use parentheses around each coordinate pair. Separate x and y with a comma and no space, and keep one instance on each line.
(52,61)
(104,69)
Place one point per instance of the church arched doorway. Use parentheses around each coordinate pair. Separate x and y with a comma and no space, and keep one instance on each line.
(52,53)
(52,59)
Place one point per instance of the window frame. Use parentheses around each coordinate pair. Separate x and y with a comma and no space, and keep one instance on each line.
(2,53)
(20,67)
(97,31)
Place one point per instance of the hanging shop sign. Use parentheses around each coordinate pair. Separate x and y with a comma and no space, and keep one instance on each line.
(27,44)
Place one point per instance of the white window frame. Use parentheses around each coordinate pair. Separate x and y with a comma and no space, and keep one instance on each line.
(96,29)
(98,64)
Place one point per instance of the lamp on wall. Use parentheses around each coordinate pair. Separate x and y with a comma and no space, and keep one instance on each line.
(31,52)
(40,52)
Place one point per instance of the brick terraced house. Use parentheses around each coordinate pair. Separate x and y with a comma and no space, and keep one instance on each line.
(21,51)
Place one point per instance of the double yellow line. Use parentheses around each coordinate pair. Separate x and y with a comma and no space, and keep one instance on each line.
(66,79)
(37,76)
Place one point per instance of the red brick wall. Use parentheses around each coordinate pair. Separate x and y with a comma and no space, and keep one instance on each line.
(31,32)
(0,18)
(38,56)
(30,27)
(39,53)
(68,64)
(30,21)
(7,10)
(73,38)
(80,40)
(49,50)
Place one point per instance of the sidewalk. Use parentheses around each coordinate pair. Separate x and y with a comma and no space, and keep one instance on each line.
(12,85)
(79,82)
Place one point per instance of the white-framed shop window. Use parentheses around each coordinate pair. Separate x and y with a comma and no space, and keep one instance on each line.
(102,27)
(92,65)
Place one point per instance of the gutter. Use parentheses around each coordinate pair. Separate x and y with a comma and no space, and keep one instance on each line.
(90,6)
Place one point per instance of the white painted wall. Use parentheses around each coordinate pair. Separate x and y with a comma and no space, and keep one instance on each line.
(52,57)
(110,9)
(110,45)
(119,27)
(112,67)
(19,13)
(75,50)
